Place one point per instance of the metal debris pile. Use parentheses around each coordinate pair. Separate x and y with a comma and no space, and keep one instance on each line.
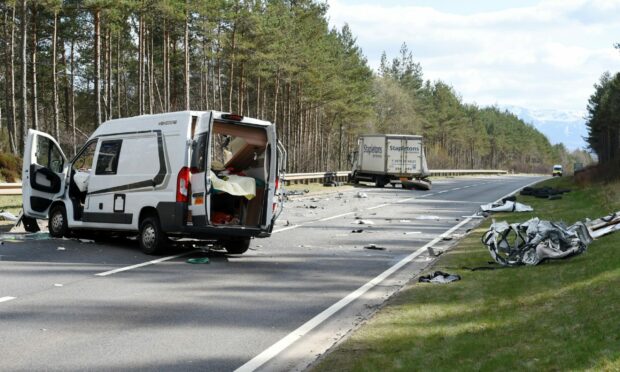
(534,241)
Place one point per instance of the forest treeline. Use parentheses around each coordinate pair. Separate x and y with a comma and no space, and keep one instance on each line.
(68,66)
(603,119)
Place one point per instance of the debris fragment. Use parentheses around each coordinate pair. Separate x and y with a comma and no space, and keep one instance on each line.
(412,232)
(60,248)
(604,225)
(428,218)
(506,206)
(439,277)
(8,216)
(357,231)
(433,252)
(57,285)
(405,221)
(374,247)
(364,222)
(543,192)
(198,260)
(361,195)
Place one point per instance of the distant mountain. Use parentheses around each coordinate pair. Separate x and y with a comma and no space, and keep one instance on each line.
(567,127)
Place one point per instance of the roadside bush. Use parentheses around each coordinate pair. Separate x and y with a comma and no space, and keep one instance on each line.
(10,167)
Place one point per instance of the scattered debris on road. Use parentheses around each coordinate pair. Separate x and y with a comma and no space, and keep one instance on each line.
(198,260)
(357,231)
(363,222)
(434,253)
(439,277)
(60,249)
(361,195)
(506,206)
(374,247)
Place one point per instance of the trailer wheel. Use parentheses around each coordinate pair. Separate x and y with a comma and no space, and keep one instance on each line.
(381,182)
(236,246)
(152,239)
(58,222)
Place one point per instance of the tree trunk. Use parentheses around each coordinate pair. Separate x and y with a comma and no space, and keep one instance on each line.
(109,99)
(24,71)
(10,97)
(97,85)
(118,76)
(72,70)
(186,49)
(232,67)
(35,98)
(141,64)
(54,79)
(165,68)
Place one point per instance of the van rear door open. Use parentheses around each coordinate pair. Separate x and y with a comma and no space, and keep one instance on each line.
(198,200)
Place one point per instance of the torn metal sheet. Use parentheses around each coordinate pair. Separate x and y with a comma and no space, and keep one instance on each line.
(604,225)
(506,206)
(7,216)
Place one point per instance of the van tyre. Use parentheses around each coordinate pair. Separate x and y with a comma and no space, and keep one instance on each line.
(57,224)
(152,239)
(236,246)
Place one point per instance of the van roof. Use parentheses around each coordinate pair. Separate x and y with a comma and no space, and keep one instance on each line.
(143,122)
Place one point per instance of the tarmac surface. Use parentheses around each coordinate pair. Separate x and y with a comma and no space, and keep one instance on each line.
(67,304)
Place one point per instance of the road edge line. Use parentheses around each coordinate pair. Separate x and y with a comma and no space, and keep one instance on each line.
(308,326)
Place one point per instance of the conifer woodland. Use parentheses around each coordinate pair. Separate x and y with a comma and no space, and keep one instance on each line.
(67,66)
(604,119)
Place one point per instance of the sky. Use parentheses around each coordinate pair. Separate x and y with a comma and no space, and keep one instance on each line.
(535,54)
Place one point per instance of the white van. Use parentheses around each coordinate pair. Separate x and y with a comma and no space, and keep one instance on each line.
(202,175)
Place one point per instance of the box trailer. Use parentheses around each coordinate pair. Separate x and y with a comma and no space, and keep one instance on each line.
(391,158)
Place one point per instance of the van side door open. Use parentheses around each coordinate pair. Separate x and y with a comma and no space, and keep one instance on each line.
(44,173)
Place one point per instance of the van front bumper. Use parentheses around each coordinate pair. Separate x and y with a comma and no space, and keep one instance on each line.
(173,217)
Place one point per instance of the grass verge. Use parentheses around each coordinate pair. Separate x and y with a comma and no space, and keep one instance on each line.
(560,315)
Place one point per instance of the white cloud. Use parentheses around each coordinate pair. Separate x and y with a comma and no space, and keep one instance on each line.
(546,55)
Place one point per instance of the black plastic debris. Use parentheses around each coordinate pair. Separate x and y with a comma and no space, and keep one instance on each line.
(543,192)
(439,277)
(374,247)
(357,231)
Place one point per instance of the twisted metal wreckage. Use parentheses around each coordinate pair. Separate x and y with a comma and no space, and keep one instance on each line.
(534,241)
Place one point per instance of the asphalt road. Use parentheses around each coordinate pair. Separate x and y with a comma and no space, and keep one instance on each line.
(56,313)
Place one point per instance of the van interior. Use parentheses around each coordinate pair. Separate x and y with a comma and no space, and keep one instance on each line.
(239,174)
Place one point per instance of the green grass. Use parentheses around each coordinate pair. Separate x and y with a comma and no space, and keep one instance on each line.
(560,315)
(11,203)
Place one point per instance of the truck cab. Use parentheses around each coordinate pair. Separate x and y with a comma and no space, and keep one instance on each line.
(200,175)
(557,170)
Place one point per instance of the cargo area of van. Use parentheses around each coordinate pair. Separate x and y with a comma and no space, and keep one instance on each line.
(238,173)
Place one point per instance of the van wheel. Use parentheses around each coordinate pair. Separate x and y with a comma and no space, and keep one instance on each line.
(58,222)
(236,246)
(152,239)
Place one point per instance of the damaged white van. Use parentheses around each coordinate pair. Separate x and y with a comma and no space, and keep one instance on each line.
(201,175)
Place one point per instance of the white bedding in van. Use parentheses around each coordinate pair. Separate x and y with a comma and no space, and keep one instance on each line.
(234,185)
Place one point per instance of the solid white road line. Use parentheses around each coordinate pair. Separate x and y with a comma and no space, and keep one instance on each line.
(292,337)
(289,339)
(339,215)
(7,298)
(286,228)
(153,262)
(375,207)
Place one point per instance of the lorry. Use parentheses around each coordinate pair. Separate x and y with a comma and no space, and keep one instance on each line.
(557,170)
(204,175)
(390,159)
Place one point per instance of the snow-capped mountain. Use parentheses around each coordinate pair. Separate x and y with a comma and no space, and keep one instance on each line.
(567,127)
